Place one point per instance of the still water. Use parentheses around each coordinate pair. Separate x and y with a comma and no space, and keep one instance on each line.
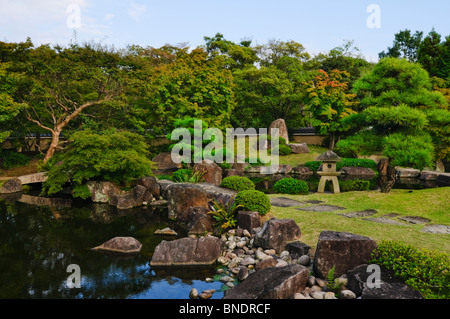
(37,243)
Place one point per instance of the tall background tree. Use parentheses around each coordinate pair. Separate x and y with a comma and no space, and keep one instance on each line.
(329,101)
(58,84)
(401,110)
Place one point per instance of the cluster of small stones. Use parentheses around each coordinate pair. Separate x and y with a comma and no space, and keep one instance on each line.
(240,258)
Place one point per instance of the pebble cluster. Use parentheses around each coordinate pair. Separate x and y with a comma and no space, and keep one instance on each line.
(240,258)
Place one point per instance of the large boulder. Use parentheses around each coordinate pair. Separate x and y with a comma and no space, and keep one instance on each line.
(358,276)
(103,191)
(300,148)
(164,186)
(212,172)
(151,184)
(220,194)
(276,233)
(165,163)
(271,283)
(248,220)
(297,248)
(196,220)
(134,198)
(280,124)
(390,291)
(124,245)
(181,196)
(11,186)
(187,251)
(358,171)
(341,250)
(402,172)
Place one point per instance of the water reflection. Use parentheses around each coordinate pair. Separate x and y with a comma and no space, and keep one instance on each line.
(37,243)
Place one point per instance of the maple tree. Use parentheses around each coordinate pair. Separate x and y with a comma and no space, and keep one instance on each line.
(329,102)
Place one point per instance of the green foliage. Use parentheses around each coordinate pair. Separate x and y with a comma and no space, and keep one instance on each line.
(188,84)
(424,270)
(345,162)
(393,82)
(181,175)
(392,119)
(291,186)
(409,151)
(116,156)
(224,214)
(284,150)
(270,91)
(188,123)
(363,143)
(187,176)
(333,284)
(254,200)
(439,129)
(238,183)
(9,159)
(329,101)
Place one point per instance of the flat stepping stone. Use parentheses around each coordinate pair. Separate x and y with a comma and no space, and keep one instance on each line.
(436,229)
(415,219)
(321,208)
(384,220)
(285,202)
(364,213)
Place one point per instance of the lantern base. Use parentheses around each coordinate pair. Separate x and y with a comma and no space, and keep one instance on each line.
(324,180)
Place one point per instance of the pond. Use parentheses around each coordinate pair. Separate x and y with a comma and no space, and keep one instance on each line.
(38,243)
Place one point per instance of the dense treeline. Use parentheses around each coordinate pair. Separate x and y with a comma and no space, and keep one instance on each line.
(390,107)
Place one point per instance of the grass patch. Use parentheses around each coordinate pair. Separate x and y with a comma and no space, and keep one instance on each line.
(296,159)
(428,203)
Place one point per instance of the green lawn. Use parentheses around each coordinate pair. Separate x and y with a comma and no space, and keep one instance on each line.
(433,204)
(296,159)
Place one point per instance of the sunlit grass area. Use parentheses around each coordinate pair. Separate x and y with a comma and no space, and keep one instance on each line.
(433,204)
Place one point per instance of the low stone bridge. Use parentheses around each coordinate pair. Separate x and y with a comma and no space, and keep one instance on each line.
(33,178)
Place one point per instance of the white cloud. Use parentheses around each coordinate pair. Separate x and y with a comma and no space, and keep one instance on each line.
(46,21)
(135,11)
(109,16)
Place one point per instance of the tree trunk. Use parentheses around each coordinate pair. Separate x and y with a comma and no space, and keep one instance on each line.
(53,145)
(332,138)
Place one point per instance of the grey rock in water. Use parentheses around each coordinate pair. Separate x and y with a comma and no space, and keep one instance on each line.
(126,245)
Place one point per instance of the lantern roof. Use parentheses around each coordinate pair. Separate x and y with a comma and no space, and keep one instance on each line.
(328,156)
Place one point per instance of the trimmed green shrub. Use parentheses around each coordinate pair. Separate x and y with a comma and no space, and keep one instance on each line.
(345,162)
(238,183)
(254,200)
(424,270)
(284,150)
(313,165)
(291,186)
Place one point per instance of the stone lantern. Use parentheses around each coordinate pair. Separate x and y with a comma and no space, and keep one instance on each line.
(329,172)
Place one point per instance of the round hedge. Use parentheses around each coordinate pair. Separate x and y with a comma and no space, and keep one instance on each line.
(254,201)
(238,183)
(291,186)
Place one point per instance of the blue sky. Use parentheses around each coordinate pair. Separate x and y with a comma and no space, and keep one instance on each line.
(318,25)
